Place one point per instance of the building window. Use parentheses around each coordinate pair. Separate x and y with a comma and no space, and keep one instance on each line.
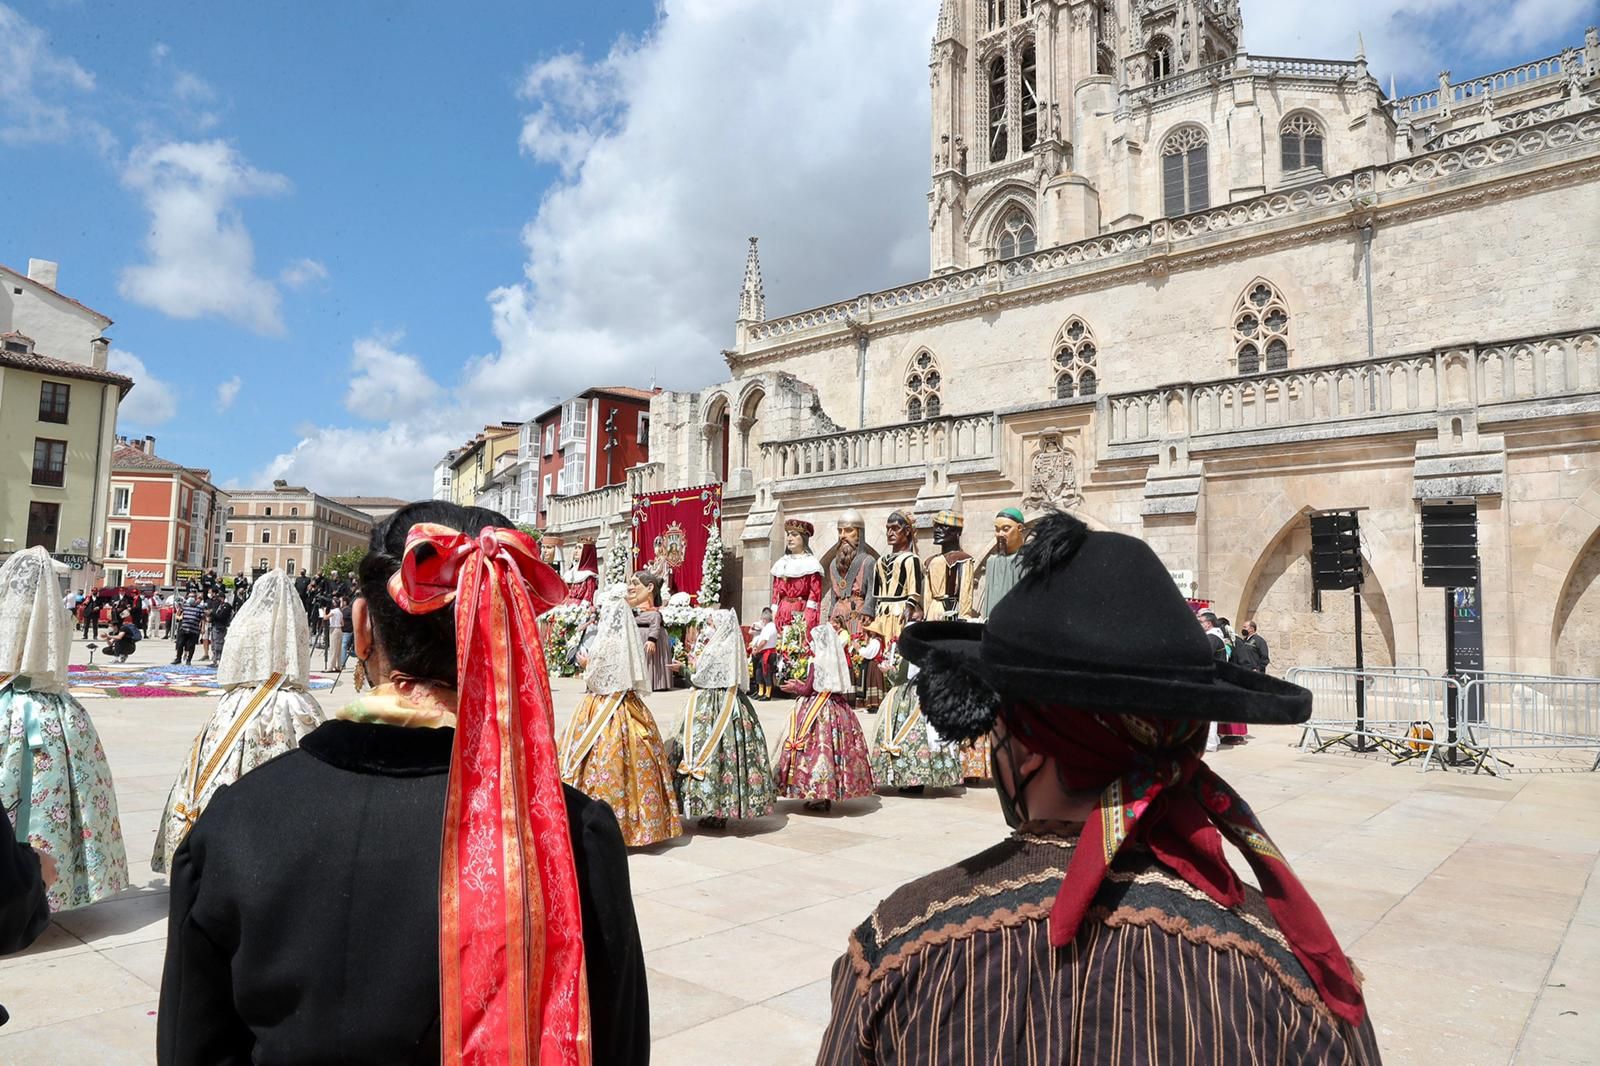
(119,542)
(294,512)
(294,537)
(1261,329)
(923,382)
(53,397)
(227,537)
(121,499)
(1016,236)
(549,441)
(227,565)
(997,109)
(49,462)
(644,430)
(268,512)
(266,536)
(1030,98)
(230,510)
(1160,58)
(1075,361)
(288,568)
(997,13)
(262,565)
(42,521)
(1184,184)
(1301,139)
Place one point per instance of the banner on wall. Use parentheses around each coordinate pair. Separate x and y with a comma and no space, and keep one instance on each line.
(670,531)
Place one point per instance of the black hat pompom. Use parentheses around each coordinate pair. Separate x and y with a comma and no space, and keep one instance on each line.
(1054,541)
(959,703)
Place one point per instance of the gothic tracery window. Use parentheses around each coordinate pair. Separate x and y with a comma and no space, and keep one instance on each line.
(997,109)
(923,385)
(1185,185)
(997,13)
(1301,139)
(1261,329)
(1160,58)
(1075,366)
(1030,98)
(1016,235)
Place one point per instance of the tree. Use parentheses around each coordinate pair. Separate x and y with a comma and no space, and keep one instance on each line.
(346,562)
(533,531)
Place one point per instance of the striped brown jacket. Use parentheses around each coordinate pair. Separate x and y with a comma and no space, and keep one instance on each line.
(956,969)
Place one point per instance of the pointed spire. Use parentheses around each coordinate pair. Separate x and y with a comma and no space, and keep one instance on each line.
(1392,96)
(752,300)
(1361,46)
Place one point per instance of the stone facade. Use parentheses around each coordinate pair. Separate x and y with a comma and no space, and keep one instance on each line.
(1403,315)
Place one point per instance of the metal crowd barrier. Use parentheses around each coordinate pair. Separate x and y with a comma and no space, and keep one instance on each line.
(1403,715)
(1507,712)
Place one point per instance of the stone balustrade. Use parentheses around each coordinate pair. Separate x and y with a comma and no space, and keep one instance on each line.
(599,507)
(1533,368)
(883,450)
(1292,67)
(1174,235)
(1501,81)
(1179,84)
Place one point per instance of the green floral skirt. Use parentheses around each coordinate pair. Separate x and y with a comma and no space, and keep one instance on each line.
(719,757)
(902,756)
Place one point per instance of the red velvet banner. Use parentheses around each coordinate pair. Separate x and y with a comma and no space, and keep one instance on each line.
(670,530)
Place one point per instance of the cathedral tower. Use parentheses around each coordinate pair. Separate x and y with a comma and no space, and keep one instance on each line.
(1009,79)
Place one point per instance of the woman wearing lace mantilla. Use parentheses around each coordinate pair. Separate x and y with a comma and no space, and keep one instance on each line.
(824,755)
(612,749)
(55,784)
(723,770)
(264,712)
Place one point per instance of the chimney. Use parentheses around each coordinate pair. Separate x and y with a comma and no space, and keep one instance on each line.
(100,352)
(149,444)
(279,484)
(44,272)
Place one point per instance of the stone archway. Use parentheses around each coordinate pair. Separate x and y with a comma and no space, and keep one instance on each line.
(717,433)
(749,427)
(1545,587)
(1279,598)
(1576,627)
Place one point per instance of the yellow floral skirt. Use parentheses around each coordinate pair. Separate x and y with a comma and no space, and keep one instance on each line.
(612,752)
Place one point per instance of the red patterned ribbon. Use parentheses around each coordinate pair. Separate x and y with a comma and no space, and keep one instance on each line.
(1158,791)
(512,982)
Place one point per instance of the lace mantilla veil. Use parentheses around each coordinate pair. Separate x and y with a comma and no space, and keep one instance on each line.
(270,635)
(831,669)
(723,662)
(616,658)
(35,630)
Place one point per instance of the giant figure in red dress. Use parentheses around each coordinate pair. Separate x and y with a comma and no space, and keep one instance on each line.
(796,578)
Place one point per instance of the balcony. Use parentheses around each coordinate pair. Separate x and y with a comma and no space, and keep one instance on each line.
(600,507)
(881,453)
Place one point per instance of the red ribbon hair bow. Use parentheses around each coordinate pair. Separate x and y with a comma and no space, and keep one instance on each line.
(512,984)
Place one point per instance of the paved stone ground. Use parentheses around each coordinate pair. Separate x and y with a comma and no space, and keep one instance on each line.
(1470,903)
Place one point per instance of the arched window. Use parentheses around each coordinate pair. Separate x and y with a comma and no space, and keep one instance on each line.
(1160,58)
(997,13)
(1030,98)
(923,383)
(1261,329)
(1104,61)
(1075,366)
(997,109)
(1301,138)
(1185,186)
(294,537)
(1016,236)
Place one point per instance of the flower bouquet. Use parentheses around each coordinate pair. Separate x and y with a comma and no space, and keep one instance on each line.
(794,651)
(565,624)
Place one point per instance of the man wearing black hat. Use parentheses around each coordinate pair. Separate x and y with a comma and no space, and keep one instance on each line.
(1109,927)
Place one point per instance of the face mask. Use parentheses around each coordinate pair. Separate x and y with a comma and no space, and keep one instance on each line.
(1014,808)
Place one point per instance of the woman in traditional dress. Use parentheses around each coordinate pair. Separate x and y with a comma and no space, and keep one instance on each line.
(413,883)
(796,578)
(899,582)
(824,756)
(54,782)
(586,578)
(906,756)
(644,596)
(264,712)
(612,749)
(724,772)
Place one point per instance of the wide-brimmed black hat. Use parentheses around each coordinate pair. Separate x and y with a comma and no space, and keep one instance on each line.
(1095,624)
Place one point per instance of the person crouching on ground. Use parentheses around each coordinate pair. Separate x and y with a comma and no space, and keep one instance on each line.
(397,889)
(1109,926)
(126,640)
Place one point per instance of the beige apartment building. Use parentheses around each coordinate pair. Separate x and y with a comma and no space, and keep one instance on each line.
(288,527)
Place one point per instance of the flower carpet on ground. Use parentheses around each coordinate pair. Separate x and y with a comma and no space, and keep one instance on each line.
(130,681)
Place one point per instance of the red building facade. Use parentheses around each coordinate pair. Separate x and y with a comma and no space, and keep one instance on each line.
(587,442)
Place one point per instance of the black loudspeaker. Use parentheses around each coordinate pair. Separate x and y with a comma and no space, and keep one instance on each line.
(1450,545)
(1335,551)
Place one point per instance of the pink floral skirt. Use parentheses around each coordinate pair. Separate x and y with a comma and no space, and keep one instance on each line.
(824,756)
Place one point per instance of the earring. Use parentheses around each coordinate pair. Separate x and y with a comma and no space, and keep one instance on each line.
(361,674)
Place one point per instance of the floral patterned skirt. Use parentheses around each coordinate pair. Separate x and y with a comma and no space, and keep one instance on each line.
(612,752)
(720,754)
(904,755)
(238,738)
(71,807)
(975,759)
(824,754)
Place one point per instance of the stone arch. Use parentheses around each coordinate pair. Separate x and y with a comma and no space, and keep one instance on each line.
(1554,576)
(716,432)
(987,212)
(1575,627)
(1278,596)
(751,432)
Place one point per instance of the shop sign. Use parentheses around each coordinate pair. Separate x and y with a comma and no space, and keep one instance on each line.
(75,562)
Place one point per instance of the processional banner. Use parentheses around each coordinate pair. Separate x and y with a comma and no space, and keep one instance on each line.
(670,531)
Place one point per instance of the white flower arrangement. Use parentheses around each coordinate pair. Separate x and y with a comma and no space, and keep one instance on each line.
(711,571)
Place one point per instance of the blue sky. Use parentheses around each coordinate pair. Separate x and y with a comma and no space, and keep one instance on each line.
(334,236)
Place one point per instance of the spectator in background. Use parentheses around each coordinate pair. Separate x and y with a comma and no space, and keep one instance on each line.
(220,617)
(190,621)
(127,638)
(1258,649)
(335,636)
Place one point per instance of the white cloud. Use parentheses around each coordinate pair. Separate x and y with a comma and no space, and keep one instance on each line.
(202,260)
(151,401)
(303,272)
(227,392)
(388,384)
(40,87)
